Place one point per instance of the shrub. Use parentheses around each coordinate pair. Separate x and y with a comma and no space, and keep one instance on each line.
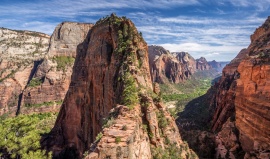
(124,128)
(144,127)
(162,121)
(43,104)
(99,136)
(130,92)
(117,139)
(34,82)
(63,62)
(107,122)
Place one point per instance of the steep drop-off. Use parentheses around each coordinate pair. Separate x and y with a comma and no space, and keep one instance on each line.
(51,80)
(110,109)
(21,52)
(243,97)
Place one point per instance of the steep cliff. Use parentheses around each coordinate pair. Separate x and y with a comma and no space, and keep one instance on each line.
(202,64)
(173,67)
(50,82)
(110,110)
(167,68)
(243,97)
(218,65)
(21,52)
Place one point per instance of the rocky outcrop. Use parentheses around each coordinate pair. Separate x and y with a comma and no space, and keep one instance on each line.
(188,61)
(102,113)
(223,100)
(173,67)
(215,64)
(66,37)
(243,95)
(167,68)
(51,80)
(202,64)
(218,66)
(21,52)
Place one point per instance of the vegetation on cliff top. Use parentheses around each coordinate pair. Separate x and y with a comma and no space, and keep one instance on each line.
(126,52)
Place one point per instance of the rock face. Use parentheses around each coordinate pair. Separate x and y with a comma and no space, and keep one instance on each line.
(66,37)
(102,113)
(218,65)
(223,100)
(215,64)
(21,52)
(202,64)
(173,67)
(54,73)
(35,70)
(166,67)
(243,95)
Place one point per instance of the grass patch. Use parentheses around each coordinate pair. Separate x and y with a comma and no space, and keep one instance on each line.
(50,103)
(35,82)
(117,139)
(63,62)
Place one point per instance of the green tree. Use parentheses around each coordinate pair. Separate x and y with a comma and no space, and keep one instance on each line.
(20,135)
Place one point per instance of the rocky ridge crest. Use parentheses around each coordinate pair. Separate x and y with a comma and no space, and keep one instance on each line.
(113,112)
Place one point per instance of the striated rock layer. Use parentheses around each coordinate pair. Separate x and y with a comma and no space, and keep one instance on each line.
(173,67)
(54,73)
(21,52)
(102,113)
(243,95)
(202,64)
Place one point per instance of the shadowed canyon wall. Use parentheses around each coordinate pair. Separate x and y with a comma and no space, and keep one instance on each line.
(243,97)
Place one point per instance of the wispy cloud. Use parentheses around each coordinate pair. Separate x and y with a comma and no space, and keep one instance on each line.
(203,50)
(209,28)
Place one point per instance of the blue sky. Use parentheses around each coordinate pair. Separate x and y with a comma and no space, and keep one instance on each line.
(215,29)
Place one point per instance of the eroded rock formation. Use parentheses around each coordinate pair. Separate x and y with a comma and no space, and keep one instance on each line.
(102,112)
(53,75)
(202,64)
(243,96)
(167,68)
(173,67)
(21,52)
(218,65)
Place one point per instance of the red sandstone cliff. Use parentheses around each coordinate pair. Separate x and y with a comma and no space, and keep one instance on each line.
(202,64)
(243,96)
(167,68)
(102,112)
(173,67)
(54,73)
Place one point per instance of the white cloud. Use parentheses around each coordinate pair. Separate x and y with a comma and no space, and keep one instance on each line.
(197,50)
(200,34)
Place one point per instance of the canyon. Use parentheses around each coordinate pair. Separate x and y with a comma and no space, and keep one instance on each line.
(107,84)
